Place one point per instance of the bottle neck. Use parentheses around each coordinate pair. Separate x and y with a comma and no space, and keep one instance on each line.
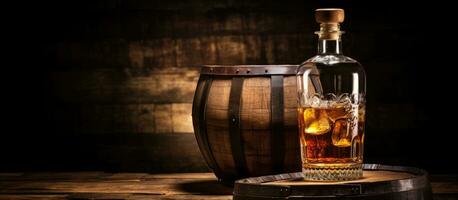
(329,47)
(329,39)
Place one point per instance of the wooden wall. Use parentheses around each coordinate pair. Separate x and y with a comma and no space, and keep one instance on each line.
(117,77)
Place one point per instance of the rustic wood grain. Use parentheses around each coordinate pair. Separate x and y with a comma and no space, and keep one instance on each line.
(33,196)
(445,187)
(129,85)
(125,118)
(217,124)
(89,196)
(150,53)
(147,152)
(124,101)
(290,121)
(112,152)
(137,186)
(97,185)
(252,153)
(214,20)
(255,115)
(129,67)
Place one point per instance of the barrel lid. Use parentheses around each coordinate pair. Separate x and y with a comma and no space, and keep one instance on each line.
(249,70)
(287,185)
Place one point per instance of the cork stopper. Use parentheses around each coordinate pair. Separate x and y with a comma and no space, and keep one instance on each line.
(329,15)
(329,19)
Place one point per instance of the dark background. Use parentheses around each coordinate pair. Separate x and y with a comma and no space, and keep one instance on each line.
(108,85)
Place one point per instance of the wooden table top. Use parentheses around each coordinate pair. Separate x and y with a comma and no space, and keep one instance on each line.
(136,186)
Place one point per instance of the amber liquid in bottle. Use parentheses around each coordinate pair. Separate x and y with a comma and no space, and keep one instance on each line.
(331,135)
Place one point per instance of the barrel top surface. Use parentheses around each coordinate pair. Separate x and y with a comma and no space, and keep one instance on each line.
(368,177)
(376,179)
(249,70)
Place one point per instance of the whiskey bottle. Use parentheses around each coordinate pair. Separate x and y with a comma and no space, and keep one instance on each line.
(331,106)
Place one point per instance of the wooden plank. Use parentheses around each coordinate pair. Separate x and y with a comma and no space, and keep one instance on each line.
(126,152)
(143,56)
(174,187)
(143,24)
(10,175)
(183,175)
(445,187)
(108,196)
(181,118)
(164,186)
(97,196)
(125,85)
(135,186)
(221,49)
(31,176)
(163,118)
(124,118)
(98,175)
(33,197)
(142,197)
(148,152)
(144,120)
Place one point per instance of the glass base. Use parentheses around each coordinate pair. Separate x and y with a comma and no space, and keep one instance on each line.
(332,172)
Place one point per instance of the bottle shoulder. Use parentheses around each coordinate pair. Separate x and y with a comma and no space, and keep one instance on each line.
(332,63)
(330,59)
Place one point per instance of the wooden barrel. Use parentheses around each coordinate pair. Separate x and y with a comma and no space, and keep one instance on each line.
(379,182)
(244,120)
